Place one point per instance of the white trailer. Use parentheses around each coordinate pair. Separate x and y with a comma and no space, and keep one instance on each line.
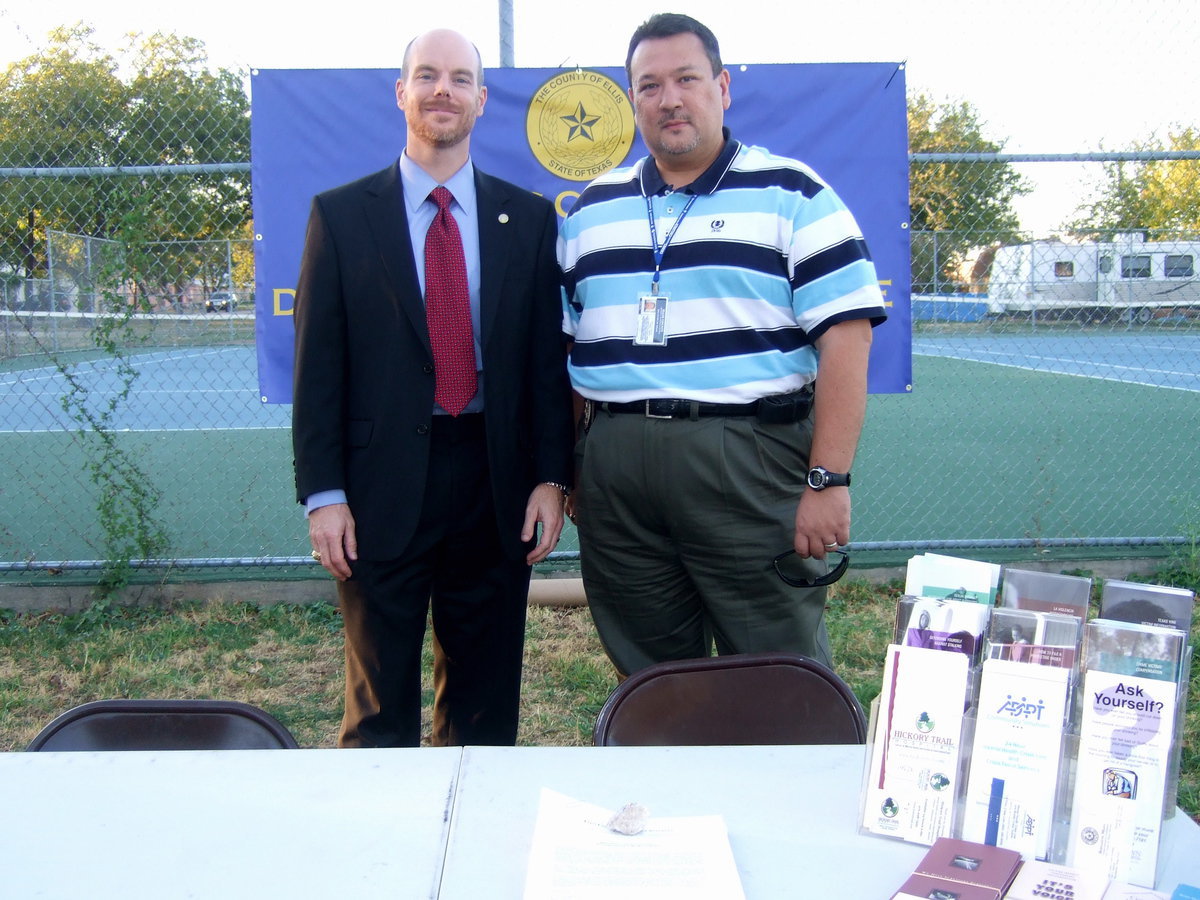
(1127,277)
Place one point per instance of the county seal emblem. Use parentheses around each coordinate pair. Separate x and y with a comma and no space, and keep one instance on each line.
(579,124)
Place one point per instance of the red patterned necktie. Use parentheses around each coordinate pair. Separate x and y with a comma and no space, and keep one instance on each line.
(448,309)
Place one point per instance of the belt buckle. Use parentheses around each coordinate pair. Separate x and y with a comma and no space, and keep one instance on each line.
(650,415)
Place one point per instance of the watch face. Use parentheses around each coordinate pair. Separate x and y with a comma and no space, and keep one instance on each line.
(816,478)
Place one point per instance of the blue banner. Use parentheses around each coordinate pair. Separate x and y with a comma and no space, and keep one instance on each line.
(553,130)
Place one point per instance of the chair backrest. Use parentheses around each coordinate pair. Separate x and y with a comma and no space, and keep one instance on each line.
(751,698)
(164,725)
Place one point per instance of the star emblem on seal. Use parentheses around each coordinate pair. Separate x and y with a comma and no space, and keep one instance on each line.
(580,123)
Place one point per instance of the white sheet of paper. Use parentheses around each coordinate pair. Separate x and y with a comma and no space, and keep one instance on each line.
(575,856)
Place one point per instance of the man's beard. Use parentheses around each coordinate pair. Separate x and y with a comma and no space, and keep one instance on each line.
(445,136)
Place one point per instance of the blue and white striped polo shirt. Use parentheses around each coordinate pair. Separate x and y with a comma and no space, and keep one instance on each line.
(766,259)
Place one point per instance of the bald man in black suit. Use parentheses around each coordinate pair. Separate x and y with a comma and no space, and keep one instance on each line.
(412,505)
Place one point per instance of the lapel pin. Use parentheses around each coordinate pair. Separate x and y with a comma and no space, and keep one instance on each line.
(503,218)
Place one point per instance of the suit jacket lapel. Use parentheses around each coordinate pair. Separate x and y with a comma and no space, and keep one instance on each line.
(388,224)
(495,236)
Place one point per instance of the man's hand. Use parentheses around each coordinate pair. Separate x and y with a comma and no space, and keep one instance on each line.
(822,519)
(545,506)
(331,531)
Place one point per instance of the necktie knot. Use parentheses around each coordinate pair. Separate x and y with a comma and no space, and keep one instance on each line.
(442,197)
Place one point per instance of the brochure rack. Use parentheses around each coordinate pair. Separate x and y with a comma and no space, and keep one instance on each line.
(1022,726)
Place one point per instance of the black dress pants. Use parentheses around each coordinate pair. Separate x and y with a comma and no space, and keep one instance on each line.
(455,566)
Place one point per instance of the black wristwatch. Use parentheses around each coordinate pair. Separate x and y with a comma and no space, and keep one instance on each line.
(820,478)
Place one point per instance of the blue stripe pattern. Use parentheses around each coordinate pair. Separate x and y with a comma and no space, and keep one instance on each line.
(766,247)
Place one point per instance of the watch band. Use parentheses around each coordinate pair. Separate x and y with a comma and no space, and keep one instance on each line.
(820,478)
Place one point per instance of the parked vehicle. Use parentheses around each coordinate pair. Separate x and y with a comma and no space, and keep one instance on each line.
(1128,277)
(221,301)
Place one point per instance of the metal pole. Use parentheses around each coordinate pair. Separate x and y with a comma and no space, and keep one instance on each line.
(506,34)
(937,266)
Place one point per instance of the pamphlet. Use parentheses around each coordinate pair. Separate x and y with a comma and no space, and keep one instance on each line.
(959,870)
(1127,648)
(955,625)
(936,576)
(1045,592)
(1042,638)
(922,887)
(969,862)
(914,768)
(1127,728)
(1170,607)
(1016,755)
(1039,880)
(1147,604)
(1046,881)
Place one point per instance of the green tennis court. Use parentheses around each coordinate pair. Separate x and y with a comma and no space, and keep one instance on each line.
(979,451)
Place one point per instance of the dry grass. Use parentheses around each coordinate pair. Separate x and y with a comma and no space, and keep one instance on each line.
(288,660)
(284,659)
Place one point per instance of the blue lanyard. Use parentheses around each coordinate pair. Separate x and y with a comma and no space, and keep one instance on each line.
(659,251)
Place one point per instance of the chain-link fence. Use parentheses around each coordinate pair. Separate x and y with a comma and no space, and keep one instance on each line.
(1055,375)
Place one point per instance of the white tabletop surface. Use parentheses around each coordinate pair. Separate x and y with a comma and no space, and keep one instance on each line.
(225,825)
(430,823)
(790,813)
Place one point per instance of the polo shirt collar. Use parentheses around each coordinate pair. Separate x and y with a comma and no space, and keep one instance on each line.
(653,183)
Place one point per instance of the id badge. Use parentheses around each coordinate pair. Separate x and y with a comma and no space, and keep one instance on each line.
(652,321)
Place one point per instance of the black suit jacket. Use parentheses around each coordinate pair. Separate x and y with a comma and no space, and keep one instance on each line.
(364,377)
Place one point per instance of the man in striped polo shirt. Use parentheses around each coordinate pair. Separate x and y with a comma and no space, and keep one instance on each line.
(721,301)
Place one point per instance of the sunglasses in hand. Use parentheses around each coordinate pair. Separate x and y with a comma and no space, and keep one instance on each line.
(786,568)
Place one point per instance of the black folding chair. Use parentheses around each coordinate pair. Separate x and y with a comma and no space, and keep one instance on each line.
(752,698)
(164,725)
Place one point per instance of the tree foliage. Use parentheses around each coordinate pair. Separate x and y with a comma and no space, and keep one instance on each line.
(955,207)
(73,108)
(1160,197)
(74,105)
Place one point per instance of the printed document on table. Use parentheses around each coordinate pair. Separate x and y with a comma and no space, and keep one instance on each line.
(576,857)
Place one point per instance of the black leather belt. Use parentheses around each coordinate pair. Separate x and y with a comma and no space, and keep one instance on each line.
(783,408)
(681,409)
